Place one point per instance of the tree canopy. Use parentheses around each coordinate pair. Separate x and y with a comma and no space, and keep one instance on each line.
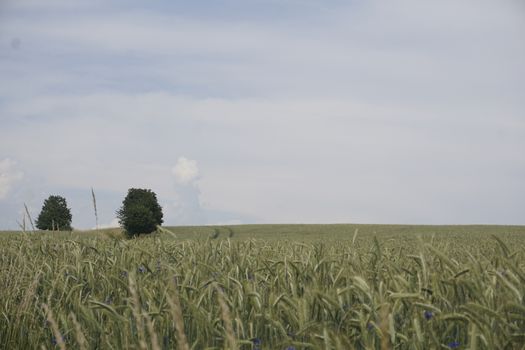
(140,212)
(55,215)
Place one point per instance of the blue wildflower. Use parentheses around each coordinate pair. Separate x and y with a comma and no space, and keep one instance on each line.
(454,345)
(55,342)
(256,343)
(141,269)
(124,274)
(369,326)
(428,315)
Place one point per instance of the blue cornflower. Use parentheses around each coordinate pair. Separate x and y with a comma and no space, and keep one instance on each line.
(141,269)
(54,340)
(256,343)
(454,345)
(428,315)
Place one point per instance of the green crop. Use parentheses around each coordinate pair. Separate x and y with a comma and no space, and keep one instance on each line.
(265,287)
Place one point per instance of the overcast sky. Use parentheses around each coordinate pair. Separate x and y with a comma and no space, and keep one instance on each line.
(277,111)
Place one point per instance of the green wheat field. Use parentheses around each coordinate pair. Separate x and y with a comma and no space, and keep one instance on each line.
(284,287)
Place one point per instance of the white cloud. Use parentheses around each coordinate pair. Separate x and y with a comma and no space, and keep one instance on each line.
(9,175)
(231,222)
(114,223)
(185,170)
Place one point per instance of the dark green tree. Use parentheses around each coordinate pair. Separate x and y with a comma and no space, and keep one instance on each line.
(140,212)
(55,215)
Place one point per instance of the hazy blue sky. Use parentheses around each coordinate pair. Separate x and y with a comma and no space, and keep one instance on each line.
(266,111)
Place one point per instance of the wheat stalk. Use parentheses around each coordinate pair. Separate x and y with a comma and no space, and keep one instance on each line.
(54,327)
(29,216)
(94,206)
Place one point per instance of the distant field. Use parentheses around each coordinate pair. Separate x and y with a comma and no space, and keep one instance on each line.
(346,231)
(266,287)
(320,231)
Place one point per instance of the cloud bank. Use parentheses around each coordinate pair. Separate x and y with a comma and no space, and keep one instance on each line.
(313,111)
(9,175)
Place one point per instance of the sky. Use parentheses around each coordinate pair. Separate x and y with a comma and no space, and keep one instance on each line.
(252,111)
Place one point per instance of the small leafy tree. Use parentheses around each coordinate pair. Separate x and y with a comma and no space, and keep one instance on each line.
(140,212)
(55,215)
